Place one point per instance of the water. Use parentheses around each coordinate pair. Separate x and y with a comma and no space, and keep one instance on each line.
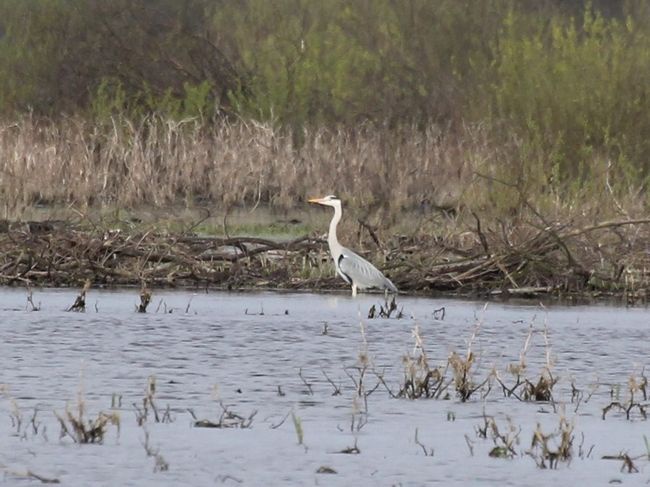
(220,347)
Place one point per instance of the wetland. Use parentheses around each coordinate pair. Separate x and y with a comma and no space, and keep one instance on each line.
(211,388)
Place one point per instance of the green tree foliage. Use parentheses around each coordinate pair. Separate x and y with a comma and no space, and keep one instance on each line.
(56,55)
(294,61)
(29,59)
(348,62)
(575,90)
(565,82)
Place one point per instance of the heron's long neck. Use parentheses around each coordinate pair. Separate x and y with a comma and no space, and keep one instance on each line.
(335,246)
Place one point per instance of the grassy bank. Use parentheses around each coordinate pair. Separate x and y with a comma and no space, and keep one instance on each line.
(437,209)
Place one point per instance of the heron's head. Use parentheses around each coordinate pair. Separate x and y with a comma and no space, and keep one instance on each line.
(329,200)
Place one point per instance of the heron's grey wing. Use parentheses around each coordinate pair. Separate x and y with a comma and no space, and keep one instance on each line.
(361,272)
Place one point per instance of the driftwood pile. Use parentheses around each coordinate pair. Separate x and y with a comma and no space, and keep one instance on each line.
(606,258)
(66,255)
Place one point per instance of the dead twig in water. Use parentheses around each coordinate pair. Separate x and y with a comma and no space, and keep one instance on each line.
(628,462)
(28,474)
(145,298)
(427,452)
(351,450)
(439,314)
(304,381)
(228,419)
(80,303)
(161,464)
(337,389)
(277,425)
(30,300)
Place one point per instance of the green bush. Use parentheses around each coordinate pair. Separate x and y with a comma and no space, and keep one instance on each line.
(575,92)
(111,99)
(350,62)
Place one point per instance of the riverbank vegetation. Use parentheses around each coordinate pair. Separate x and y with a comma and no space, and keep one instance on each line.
(509,136)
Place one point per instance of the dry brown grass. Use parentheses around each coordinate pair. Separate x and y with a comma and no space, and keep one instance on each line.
(377,171)
(161,162)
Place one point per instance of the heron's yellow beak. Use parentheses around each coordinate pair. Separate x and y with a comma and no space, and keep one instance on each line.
(315,200)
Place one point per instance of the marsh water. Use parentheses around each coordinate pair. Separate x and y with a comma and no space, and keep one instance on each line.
(270,352)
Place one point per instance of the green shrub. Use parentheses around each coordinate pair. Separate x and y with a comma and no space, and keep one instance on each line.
(575,92)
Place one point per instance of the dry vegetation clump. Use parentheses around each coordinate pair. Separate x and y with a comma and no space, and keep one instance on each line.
(30,300)
(21,428)
(73,254)
(636,386)
(160,465)
(525,389)
(145,298)
(461,367)
(85,430)
(549,449)
(386,309)
(504,443)
(420,380)
(82,430)
(358,375)
(149,404)
(89,431)
(79,304)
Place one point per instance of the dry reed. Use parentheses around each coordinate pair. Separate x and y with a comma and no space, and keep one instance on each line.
(156,161)
(162,161)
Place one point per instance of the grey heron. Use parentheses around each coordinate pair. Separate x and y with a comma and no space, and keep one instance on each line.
(354,269)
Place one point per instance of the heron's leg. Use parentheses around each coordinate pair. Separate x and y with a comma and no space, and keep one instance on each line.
(354,290)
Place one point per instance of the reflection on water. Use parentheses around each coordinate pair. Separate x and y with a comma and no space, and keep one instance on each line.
(249,350)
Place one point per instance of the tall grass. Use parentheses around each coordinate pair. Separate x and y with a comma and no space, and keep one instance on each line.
(161,162)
